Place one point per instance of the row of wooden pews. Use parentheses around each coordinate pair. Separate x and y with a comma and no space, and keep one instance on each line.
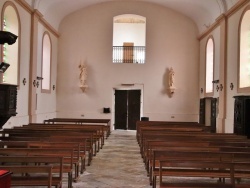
(106,122)
(189,149)
(39,154)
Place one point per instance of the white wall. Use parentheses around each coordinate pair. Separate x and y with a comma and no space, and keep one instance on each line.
(127,32)
(232,62)
(171,41)
(231,65)
(46,103)
(22,93)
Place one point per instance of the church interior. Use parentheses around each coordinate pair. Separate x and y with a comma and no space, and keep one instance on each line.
(127,70)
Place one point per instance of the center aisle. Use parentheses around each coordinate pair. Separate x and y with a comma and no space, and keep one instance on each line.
(117,165)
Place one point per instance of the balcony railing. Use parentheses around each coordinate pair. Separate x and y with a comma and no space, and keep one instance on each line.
(129,54)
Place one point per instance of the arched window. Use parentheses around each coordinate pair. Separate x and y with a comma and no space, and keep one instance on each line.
(209,65)
(46,62)
(10,53)
(129,39)
(244,54)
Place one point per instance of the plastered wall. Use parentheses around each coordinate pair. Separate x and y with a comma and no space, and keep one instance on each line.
(171,41)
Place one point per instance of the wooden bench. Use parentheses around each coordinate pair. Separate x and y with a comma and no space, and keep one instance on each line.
(106,122)
(55,136)
(78,154)
(194,168)
(165,124)
(187,136)
(98,130)
(208,145)
(45,180)
(97,137)
(67,154)
(20,165)
(237,158)
(200,146)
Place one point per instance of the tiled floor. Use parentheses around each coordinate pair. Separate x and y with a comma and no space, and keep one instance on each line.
(117,165)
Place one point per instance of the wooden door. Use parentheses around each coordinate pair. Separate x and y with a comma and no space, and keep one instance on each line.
(134,106)
(127,109)
(213,114)
(202,111)
(128,52)
(121,109)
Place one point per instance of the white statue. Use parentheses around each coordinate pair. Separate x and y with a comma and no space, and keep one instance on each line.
(83,74)
(171,77)
(171,81)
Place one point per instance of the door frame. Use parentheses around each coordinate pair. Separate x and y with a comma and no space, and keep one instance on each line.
(136,86)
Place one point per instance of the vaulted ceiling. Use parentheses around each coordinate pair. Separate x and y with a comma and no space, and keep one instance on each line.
(202,12)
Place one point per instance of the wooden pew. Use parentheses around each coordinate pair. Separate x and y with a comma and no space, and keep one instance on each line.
(30,181)
(237,158)
(98,130)
(77,146)
(67,154)
(97,138)
(206,169)
(55,135)
(35,167)
(106,122)
(185,137)
(56,162)
(168,124)
(208,145)
(194,168)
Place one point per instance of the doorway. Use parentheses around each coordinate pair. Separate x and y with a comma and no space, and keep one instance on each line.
(127,109)
(128,52)
(208,112)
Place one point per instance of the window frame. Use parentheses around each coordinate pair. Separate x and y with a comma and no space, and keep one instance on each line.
(46,33)
(119,50)
(241,89)
(209,94)
(7,4)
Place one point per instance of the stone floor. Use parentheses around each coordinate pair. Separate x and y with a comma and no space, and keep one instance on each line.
(117,165)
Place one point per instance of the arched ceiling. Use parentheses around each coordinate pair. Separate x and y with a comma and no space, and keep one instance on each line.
(202,12)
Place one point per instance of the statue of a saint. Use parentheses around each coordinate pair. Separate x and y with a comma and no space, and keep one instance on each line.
(171,77)
(83,74)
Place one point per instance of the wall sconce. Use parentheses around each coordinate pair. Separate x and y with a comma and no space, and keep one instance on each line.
(34,83)
(106,110)
(217,88)
(54,87)
(201,90)
(39,78)
(37,84)
(24,81)
(221,87)
(215,81)
(231,86)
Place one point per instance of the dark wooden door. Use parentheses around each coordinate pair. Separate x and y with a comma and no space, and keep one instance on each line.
(213,114)
(202,111)
(127,109)
(134,106)
(120,109)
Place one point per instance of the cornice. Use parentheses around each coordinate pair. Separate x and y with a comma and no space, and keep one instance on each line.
(229,13)
(29,9)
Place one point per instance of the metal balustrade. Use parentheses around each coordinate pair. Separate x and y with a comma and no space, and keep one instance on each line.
(129,54)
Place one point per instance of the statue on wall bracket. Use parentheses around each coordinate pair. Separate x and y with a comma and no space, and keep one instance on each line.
(171,85)
(83,76)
